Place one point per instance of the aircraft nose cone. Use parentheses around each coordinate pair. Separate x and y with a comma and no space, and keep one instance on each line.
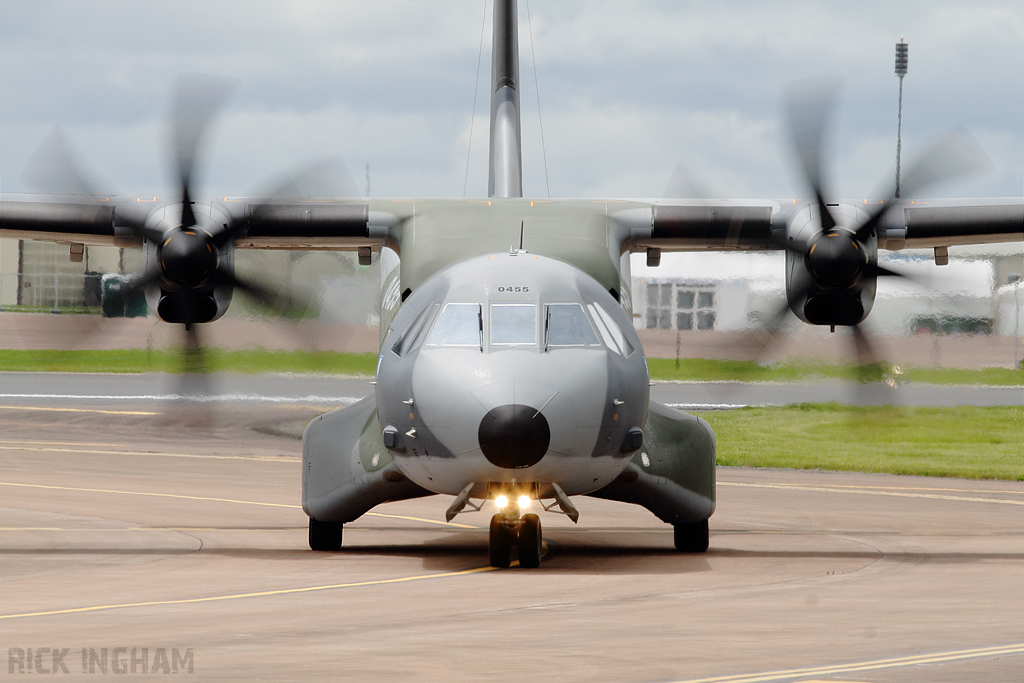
(514,436)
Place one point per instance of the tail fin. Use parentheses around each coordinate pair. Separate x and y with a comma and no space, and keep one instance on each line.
(506,155)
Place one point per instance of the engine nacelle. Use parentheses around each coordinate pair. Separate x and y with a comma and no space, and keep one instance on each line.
(829,274)
(205,299)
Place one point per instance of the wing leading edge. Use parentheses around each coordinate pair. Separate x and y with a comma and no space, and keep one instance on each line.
(119,221)
(350,225)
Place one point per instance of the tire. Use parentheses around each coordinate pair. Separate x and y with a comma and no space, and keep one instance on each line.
(691,538)
(325,536)
(500,543)
(530,542)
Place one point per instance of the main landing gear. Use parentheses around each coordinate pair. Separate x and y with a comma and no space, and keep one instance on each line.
(691,538)
(508,530)
(325,535)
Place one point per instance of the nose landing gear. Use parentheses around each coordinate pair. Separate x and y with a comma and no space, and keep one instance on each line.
(530,542)
(508,530)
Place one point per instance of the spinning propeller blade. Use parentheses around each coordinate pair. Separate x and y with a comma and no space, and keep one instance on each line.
(189,259)
(837,256)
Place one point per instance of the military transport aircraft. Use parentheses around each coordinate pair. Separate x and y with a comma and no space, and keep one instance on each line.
(509,370)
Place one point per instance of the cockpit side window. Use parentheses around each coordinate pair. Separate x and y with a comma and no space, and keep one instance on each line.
(513,324)
(414,333)
(610,332)
(458,325)
(567,325)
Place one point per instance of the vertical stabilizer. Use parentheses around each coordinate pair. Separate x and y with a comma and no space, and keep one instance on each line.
(506,154)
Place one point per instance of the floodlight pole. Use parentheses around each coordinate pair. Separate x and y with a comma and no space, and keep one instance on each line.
(901,71)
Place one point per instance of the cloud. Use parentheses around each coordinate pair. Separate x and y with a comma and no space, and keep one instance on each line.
(628,89)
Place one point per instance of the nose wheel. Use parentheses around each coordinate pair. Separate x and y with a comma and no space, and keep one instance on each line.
(529,542)
(507,531)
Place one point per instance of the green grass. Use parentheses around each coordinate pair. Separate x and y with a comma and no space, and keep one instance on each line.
(62,310)
(700,369)
(252,361)
(258,360)
(963,441)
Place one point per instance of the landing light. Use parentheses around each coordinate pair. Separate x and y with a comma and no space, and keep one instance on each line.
(524,502)
(501,502)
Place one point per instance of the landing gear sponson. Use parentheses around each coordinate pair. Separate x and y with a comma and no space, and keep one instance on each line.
(347,471)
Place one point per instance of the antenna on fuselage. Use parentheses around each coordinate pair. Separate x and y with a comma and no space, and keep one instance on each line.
(505,178)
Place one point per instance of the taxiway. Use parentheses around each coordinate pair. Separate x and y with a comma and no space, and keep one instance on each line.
(121,527)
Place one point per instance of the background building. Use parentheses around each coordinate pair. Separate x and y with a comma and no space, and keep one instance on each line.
(974,294)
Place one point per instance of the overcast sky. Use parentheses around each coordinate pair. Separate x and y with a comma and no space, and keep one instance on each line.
(627,89)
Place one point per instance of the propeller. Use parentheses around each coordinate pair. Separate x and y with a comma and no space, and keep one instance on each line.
(838,254)
(685,184)
(54,169)
(189,245)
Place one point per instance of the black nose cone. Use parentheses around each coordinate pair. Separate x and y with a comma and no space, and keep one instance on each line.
(514,436)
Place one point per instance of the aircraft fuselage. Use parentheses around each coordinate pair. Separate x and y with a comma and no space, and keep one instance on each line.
(512,370)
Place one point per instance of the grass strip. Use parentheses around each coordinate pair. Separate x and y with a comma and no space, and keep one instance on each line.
(249,361)
(63,310)
(702,369)
(963,441)
(331,362)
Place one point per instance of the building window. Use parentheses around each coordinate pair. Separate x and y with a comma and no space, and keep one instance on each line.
(672,306)
(659,306)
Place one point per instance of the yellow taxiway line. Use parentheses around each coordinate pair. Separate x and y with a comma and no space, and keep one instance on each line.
(195,456)
(872,665)
(222,500)
(103,448)
(240,596)
(81,410)
(94,448)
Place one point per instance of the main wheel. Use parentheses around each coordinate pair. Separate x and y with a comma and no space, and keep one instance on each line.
(692,538)
(500,543)
(530,542)
(325,535)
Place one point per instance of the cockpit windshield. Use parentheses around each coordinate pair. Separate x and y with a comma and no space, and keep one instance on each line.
(567,325)
(459,325)
(513,324)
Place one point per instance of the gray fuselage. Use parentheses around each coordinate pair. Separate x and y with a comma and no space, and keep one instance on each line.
(511,368)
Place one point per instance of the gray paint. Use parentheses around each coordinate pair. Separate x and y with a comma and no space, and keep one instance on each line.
(346,471)
(433,399)
(452,388)
(673,474)
(505,178)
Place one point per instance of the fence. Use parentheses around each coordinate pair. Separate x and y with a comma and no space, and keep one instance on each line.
(57,292)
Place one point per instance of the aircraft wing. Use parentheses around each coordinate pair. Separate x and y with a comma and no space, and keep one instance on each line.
(92,220)
(743,226)
(727,225)
(703,226)
(121,221)
(311,225)
(948,223)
